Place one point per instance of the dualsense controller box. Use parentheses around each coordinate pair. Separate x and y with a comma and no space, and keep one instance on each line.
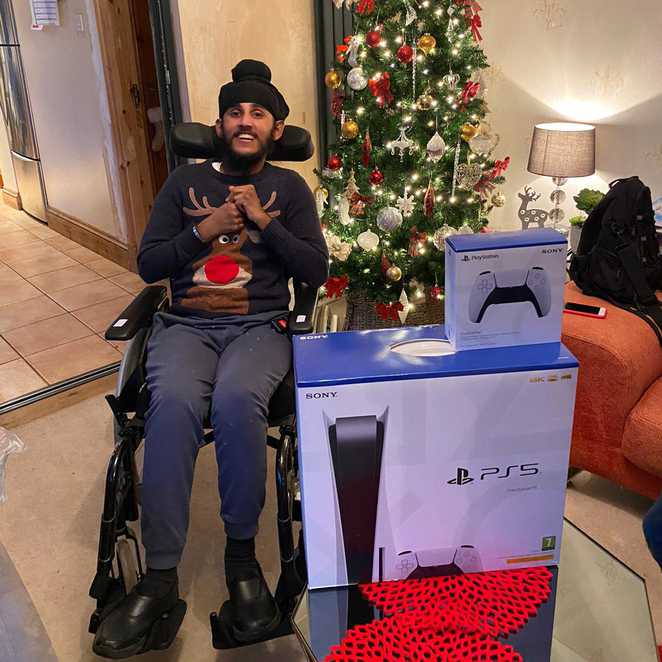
(417,461)
(504,288)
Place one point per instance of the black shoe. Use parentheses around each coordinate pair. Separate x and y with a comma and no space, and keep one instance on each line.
(140,623)
(253,611)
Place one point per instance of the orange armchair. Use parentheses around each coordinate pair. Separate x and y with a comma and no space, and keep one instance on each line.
(618,416)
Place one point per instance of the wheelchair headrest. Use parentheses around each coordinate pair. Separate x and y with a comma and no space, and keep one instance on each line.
(192,140)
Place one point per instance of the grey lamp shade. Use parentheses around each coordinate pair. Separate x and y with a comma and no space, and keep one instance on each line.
(563,150)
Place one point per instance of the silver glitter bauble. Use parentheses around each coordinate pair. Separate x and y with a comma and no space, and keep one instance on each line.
(357,79)
(389,219)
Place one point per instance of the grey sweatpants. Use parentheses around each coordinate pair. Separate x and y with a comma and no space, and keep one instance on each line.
(228,368)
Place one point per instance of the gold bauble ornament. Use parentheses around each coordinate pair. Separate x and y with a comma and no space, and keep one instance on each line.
(426,43)
(469,131)
(394,273)
(498,199)
(333,79)
(425,101)
(350,130)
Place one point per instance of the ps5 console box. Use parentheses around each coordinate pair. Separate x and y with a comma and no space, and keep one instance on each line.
(417,461)
(504,288)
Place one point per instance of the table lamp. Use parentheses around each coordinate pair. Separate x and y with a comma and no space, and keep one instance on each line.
(560,150)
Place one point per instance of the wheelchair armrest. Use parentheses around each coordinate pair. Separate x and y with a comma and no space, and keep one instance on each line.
(301,316)
(138,314)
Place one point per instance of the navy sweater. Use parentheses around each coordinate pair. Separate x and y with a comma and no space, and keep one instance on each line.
(244,273)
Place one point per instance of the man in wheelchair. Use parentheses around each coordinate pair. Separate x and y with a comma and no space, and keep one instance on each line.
(228,235)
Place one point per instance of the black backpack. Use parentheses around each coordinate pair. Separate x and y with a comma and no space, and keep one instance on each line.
(618,257)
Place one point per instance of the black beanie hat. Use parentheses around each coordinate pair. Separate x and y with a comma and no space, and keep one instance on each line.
(251,83)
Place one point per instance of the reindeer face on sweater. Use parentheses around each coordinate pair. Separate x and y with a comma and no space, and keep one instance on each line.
(220,278)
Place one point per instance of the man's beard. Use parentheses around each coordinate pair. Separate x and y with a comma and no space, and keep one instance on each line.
(242,163)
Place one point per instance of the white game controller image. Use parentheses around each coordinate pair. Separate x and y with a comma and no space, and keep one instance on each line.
(515,286)
(436,562)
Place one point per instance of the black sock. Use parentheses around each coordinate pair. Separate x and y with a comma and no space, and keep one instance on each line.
(240,561)
(157,583)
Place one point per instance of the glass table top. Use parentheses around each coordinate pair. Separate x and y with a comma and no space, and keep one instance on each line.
(598,612)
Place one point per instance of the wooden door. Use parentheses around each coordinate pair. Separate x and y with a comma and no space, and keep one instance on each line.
(119,53)
(149,91)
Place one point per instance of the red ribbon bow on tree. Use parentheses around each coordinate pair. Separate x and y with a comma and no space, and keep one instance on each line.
(365,7)
(389,311)
(471,9)
(336,285)
(381,89)
(341,49)
(470,90)
(500,167)
(475,24)
(485,184)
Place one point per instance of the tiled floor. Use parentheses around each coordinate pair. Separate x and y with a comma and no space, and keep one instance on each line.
(49,527)
(56,300)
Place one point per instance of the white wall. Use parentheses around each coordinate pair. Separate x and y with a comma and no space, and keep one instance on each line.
(216,34)
(67,109)
(596,61)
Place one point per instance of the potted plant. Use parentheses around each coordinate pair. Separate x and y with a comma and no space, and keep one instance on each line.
(585,201)
(576,225)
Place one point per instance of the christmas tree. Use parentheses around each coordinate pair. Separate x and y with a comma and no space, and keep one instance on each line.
(413,162)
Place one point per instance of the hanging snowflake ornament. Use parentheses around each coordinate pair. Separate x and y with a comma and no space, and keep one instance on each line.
(402,143)
(436,147)
(406,204)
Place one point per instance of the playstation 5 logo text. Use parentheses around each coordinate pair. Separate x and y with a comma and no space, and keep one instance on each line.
(462,477)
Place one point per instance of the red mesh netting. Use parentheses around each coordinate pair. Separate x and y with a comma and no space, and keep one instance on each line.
(447,619)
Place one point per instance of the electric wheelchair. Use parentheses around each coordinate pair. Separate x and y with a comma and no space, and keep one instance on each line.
(119,563)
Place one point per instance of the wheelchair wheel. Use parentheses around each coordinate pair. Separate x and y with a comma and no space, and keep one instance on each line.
(128,564)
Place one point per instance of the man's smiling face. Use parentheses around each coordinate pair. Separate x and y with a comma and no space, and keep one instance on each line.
(249,131)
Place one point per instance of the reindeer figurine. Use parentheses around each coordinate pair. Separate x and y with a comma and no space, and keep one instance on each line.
(529,216)
(220,278)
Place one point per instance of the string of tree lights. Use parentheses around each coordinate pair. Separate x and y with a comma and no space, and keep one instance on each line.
(413,162)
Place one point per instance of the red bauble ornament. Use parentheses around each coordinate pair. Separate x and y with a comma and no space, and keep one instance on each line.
(405,54)
(373,38)
(334,162)
(376,177)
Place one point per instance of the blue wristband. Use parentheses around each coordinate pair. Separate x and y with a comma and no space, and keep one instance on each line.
(196,233)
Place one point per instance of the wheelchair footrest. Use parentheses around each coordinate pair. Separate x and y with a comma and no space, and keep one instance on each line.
(159,637)
(165,629)
(221,632)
